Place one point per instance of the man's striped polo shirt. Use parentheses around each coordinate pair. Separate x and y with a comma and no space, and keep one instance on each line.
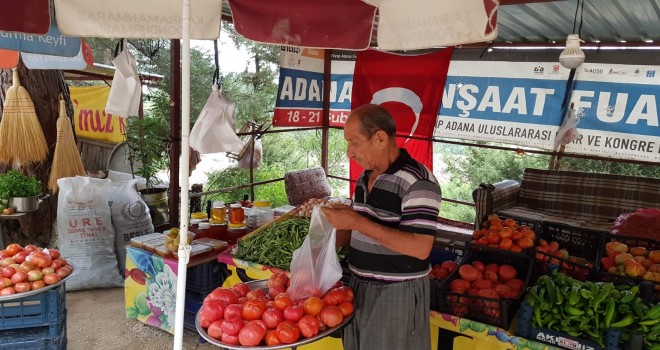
(406,196)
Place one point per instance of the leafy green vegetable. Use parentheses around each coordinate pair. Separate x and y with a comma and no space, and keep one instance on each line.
(15,184)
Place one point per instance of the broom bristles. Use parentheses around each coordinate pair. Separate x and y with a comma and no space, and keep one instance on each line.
(22,140)
(66,159)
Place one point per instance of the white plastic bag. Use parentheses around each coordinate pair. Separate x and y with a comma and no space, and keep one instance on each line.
(215,128)
(568,131)
(124,98)
(244,161)
(85,232)
(315,266)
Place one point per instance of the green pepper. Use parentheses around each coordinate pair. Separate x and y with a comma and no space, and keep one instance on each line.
(595,302)
(654,312)
(537,317)
(626,297)
(552,291)
(624,322)
(637,307)
(609,312)
(574,297)
(585,293)
(649,322)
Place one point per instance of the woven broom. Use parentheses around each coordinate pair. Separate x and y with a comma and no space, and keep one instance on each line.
(22,141)
(66,159)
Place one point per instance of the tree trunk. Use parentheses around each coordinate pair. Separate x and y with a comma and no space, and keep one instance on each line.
(44,87)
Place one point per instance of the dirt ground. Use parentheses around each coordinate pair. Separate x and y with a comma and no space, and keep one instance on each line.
(96,320)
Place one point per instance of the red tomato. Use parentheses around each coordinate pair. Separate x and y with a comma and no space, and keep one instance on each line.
(30,248)
(478,265)
(272,317)
(253,309)
(270,304)
(231,327)
(492,267)
(229,339)
(503,290)
(234,312)
(51,278)
(7,291)
(63,271)
(19,277)
(468,272)
(491,276)
(204,322)
(225,294)
(506,272)
(482,284)
(459,285)
(313,306)
(37,284)
(26,266)
(47,270)
(346,308)
(331,316)
(13,249)
(8,271)
(348,292)
(309,326)
(39,259)
(255,294)
(251,334)
(241,289)
(213,310)
(22,287)
(333,297)
(275,291)
(282,301)
(287,332)
(293,313)
(271,338)
(516,285)
(215,330)
(449,265)
(278,279)
(21,256)
(54,253)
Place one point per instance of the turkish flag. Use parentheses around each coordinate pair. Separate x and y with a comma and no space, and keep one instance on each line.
(410,88)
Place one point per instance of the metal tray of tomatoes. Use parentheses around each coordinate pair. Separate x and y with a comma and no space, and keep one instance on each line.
(17,296)
(263,285)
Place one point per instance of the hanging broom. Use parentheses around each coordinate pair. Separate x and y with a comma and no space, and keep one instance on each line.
(22,141)
(66,159)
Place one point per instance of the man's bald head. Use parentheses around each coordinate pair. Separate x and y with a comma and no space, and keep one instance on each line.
(373,118)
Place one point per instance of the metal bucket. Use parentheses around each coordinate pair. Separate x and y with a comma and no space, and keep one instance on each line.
(24,204)
(157,201)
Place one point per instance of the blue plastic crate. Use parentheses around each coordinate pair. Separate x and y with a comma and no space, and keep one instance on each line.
(205,277)
(193,303)
(35,338)
(43,309)
(440,255)
(559,339)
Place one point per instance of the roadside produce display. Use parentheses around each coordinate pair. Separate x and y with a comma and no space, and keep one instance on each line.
(634,263)
(30,268)
(252,317)
(504,234)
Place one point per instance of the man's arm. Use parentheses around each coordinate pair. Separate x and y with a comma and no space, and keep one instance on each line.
(343,238)
(407,243)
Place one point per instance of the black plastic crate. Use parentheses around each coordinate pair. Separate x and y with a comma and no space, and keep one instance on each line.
(580,242)
(558,339)
(578,268)
(631,242)
(43,309)
(205,277)
(497,312)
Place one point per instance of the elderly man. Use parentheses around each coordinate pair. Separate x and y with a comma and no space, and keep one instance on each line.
(390,228)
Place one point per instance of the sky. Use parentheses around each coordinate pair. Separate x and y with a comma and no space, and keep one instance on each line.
(231,59)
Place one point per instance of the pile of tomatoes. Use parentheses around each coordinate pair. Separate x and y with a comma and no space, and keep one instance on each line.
(239,315)
(30,268)
(490,281)
(504,234)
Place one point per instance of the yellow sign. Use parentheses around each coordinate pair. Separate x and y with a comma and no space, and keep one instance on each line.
(91,120)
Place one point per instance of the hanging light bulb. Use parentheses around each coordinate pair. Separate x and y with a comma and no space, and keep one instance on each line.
(572,56)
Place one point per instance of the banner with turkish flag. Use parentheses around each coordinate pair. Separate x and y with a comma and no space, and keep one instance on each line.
(410,88)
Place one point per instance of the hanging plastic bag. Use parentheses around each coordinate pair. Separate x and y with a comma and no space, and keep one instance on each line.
(124,98)
(214,130)
(315,266)
(568,131)
(244,160)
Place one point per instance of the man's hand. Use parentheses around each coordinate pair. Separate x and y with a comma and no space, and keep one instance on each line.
(341,216)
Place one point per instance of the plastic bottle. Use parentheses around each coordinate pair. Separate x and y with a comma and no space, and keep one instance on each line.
(262,212)
(218,213)
(236,214)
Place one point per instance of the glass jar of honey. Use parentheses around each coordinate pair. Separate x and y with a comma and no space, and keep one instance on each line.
(236,214)
(218,213)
